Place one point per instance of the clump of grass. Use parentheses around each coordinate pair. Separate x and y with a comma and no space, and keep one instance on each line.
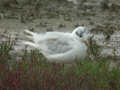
(105,4)
(94,49)
(61,25)
(5,48)
(100,74)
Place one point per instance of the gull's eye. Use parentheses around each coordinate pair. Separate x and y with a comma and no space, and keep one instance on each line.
(79,34)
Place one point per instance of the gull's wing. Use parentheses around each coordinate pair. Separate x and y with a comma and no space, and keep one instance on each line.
(50,42)
(36,37)
(56,45)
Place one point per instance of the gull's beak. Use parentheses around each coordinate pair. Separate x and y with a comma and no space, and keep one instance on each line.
(85,42)
(86,38)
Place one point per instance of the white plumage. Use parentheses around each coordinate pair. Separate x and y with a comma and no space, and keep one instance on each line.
(60,47)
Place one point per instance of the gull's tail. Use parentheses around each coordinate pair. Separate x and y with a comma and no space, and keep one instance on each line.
(32,37)
(29,44)
(30,32)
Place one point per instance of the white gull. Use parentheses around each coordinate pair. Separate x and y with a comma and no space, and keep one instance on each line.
(60,47)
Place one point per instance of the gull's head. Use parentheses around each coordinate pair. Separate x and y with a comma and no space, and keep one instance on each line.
(81,33)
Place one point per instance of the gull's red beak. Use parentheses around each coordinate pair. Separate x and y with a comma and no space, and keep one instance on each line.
(85,42)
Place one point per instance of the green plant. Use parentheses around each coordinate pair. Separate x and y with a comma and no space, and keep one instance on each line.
(93,48)
(5,48)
